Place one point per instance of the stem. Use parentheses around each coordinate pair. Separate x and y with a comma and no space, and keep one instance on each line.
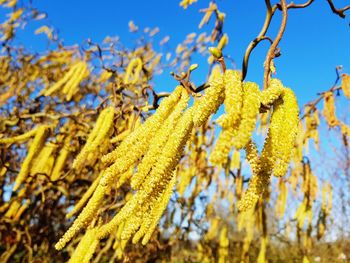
(269,14)
(339,12)
(271,53)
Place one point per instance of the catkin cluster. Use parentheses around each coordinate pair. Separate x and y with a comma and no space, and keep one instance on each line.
(40,134)
(97,139)
(148,157)
(69,84)
(242,104)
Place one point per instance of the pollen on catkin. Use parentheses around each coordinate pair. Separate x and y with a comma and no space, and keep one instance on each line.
(272,93)
(85,217)
(258,182)
(233,98)
(128,152)
(86,248)
(160,174)
(210,102)
(158,141)
(288,133)
(139,139)
(249,115)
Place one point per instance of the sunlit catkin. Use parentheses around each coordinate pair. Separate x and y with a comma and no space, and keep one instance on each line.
(61,159)
(150,223)
(158,141)
(329,109)
(34,149)
(160,175)
(272,93)
(133,71)
(100,132)
(222,148)
(139,139)
(209,102)
(258,182)
(128,152)
(81,203)
(284,141)
(86,248)
(85,217)
(61,82)
(233,97)
(345,84)
(19,138)
(249,115)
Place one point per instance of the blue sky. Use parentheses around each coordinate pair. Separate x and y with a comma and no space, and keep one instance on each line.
(315,41)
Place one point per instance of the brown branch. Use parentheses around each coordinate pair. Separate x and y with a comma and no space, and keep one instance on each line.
(314,103)
(339,12)
(271,54)
(262,35)
(269,14)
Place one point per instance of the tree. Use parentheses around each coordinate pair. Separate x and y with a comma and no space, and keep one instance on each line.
(97,165)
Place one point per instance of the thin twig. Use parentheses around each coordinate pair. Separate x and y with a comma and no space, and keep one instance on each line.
(339,12)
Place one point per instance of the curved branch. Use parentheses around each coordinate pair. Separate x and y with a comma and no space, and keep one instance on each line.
(339,12)
(271,53)
(269,14)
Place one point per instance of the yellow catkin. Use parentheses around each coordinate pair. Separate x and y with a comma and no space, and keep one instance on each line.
(86,248)
(34,149)
(233,98)
(222,148)
(21,210)
(249,115)
(215,73)
(160,174)
(137,143)
(258,182)
(287,132)
(81,203)
(74,84)
(129,151)
(223,246)
(61,82)
(19,138)
(85,217)
(210,102)
(272,93)
(148,226)
(312,122)
(345,84)
(100,132)
(44,161)
(282,199)
(136,65)
(329,109)
(235,160)
(133,223)
(263,248)
(61,160)
(158,141)
(75,78)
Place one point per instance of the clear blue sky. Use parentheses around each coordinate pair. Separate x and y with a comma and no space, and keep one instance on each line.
(315,42)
